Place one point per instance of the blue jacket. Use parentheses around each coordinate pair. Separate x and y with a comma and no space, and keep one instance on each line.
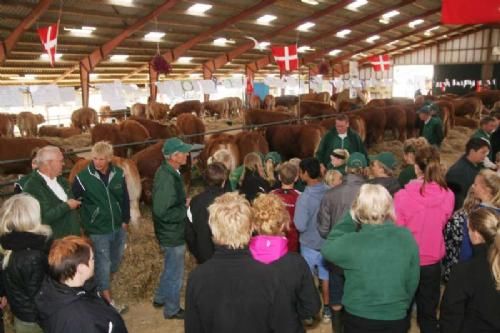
(306,212)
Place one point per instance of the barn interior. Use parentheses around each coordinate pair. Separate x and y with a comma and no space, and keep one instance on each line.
(119,56)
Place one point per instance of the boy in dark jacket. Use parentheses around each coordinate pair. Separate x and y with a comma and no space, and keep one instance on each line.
(65,302)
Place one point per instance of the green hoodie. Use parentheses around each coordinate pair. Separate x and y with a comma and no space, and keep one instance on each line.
(352,143)
(381,267)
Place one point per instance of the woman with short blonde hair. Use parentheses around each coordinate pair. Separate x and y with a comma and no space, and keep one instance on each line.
(26,242)
(380,281)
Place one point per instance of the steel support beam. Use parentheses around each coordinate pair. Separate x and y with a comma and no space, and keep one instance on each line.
(85,84)
(180,50)
(10,42)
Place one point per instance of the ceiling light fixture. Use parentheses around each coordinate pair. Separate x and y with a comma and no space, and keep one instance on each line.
(263,45)
(184,60)
(310,2)
(306,26)
(85,31)
(428,32)
(154,36)
(372,38)
(343,33)
(334,52)
(393,42)
(353,6)
(265,19)
(222,41)
(45,56)
(304,48)
(118,57)
(386,18)
(198,9)
(414,23)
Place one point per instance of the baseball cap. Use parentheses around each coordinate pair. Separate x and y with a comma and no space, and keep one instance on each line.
(274,156)
(386,158)
(356,160)
(174,145)
(425,109)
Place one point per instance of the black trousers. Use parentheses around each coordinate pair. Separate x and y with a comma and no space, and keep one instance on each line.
(427,298)
(355,324)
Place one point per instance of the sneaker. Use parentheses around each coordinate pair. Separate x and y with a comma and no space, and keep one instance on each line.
(178,315)
(157,305)
(327,314)
(120,308)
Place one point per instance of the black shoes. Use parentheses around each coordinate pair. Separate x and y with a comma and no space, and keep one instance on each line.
(178,315)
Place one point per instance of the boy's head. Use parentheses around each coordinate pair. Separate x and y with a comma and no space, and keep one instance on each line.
(288,173)
(71,257)
(333,178)
(310,169)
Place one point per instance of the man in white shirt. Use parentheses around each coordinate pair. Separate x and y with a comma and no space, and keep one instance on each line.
(53,193)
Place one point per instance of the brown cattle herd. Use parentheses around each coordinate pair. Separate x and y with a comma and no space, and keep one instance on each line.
(297,133)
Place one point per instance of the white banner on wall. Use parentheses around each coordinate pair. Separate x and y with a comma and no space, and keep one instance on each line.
(11,96)
(113,94)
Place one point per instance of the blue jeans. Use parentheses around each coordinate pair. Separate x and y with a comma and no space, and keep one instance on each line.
(169,288)
(108,253)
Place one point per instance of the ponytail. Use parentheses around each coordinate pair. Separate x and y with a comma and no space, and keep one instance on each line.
(428,161)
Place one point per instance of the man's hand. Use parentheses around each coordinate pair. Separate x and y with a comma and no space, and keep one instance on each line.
(73,204)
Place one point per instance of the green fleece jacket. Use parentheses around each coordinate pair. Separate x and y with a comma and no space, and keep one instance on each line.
(352,143)
(381,267)
(169,206)
(433,131)
(63,220)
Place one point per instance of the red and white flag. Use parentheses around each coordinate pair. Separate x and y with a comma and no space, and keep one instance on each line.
(380,63)
(48,37)
(286,57)
(249,88)
(470,12)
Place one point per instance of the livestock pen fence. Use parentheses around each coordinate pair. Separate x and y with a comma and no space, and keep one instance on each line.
(153,141)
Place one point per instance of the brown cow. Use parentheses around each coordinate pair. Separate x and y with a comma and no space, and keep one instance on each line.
(291,102)
(6,126)
(218,142)
(148,161)
(356,123)
(315,109)
(234,105)
(28,123)
(470,106)
(189,124)
(295,140)
(218,107)
(83,118)
(61,132)
(134,131)
(112,134)
(48,130)
(322,97)
(157,130)
(254,102)
(396,121)
(488,97)
(411,120)
(466,122)
(185,107)
(447,114)
(18,148)
(269,102)
(375,120)
(132,179)
(257,117)
(156,111)
(251,141)
(138,110)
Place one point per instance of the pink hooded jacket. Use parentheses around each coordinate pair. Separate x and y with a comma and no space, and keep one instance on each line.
(425,215)
(267,249)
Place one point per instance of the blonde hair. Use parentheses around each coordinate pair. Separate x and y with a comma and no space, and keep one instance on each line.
(373,205)
(270,216)
(223,156)
(333,177)
(46,154)
(21,213)
(250,163)
(230,220)
(470,202)
(288,172)
(102,148)
(486,222)
(269,170)
(492,181)
(295,161)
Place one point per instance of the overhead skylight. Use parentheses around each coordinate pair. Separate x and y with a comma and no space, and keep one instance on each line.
(343,33)
(118,57)
(85,31)
(265,19)
(334,52)
(361,54)
(184,60)
(356,4)
(263,45)
(386,18)
(222,41)
(393,42)
(154,36)
(306,26)
(25,77)
(428,32)
(373,38)
(45,56)
(94,76)
(414,23)
(198,9)
(304,48)
(310,2)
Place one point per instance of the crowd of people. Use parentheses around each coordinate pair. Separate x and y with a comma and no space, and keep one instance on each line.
(340,237)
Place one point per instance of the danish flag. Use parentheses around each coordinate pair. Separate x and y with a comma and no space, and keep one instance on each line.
(286,57)
(380,63)
(249,88)
(48,37)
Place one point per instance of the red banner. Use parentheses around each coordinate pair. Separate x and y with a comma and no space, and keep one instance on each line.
(470,12)
(48,37)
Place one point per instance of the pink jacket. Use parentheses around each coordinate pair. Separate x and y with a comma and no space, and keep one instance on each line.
(425,215)
(268,249)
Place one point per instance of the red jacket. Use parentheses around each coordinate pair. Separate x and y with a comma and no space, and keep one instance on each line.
(289,198)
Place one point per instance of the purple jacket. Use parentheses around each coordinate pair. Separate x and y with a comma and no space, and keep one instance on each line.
(425,215)
(268,249)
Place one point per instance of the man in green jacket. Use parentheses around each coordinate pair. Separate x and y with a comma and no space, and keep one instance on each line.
(169,215)
(339,137)
(53,193)
(432,129)
(105,214)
